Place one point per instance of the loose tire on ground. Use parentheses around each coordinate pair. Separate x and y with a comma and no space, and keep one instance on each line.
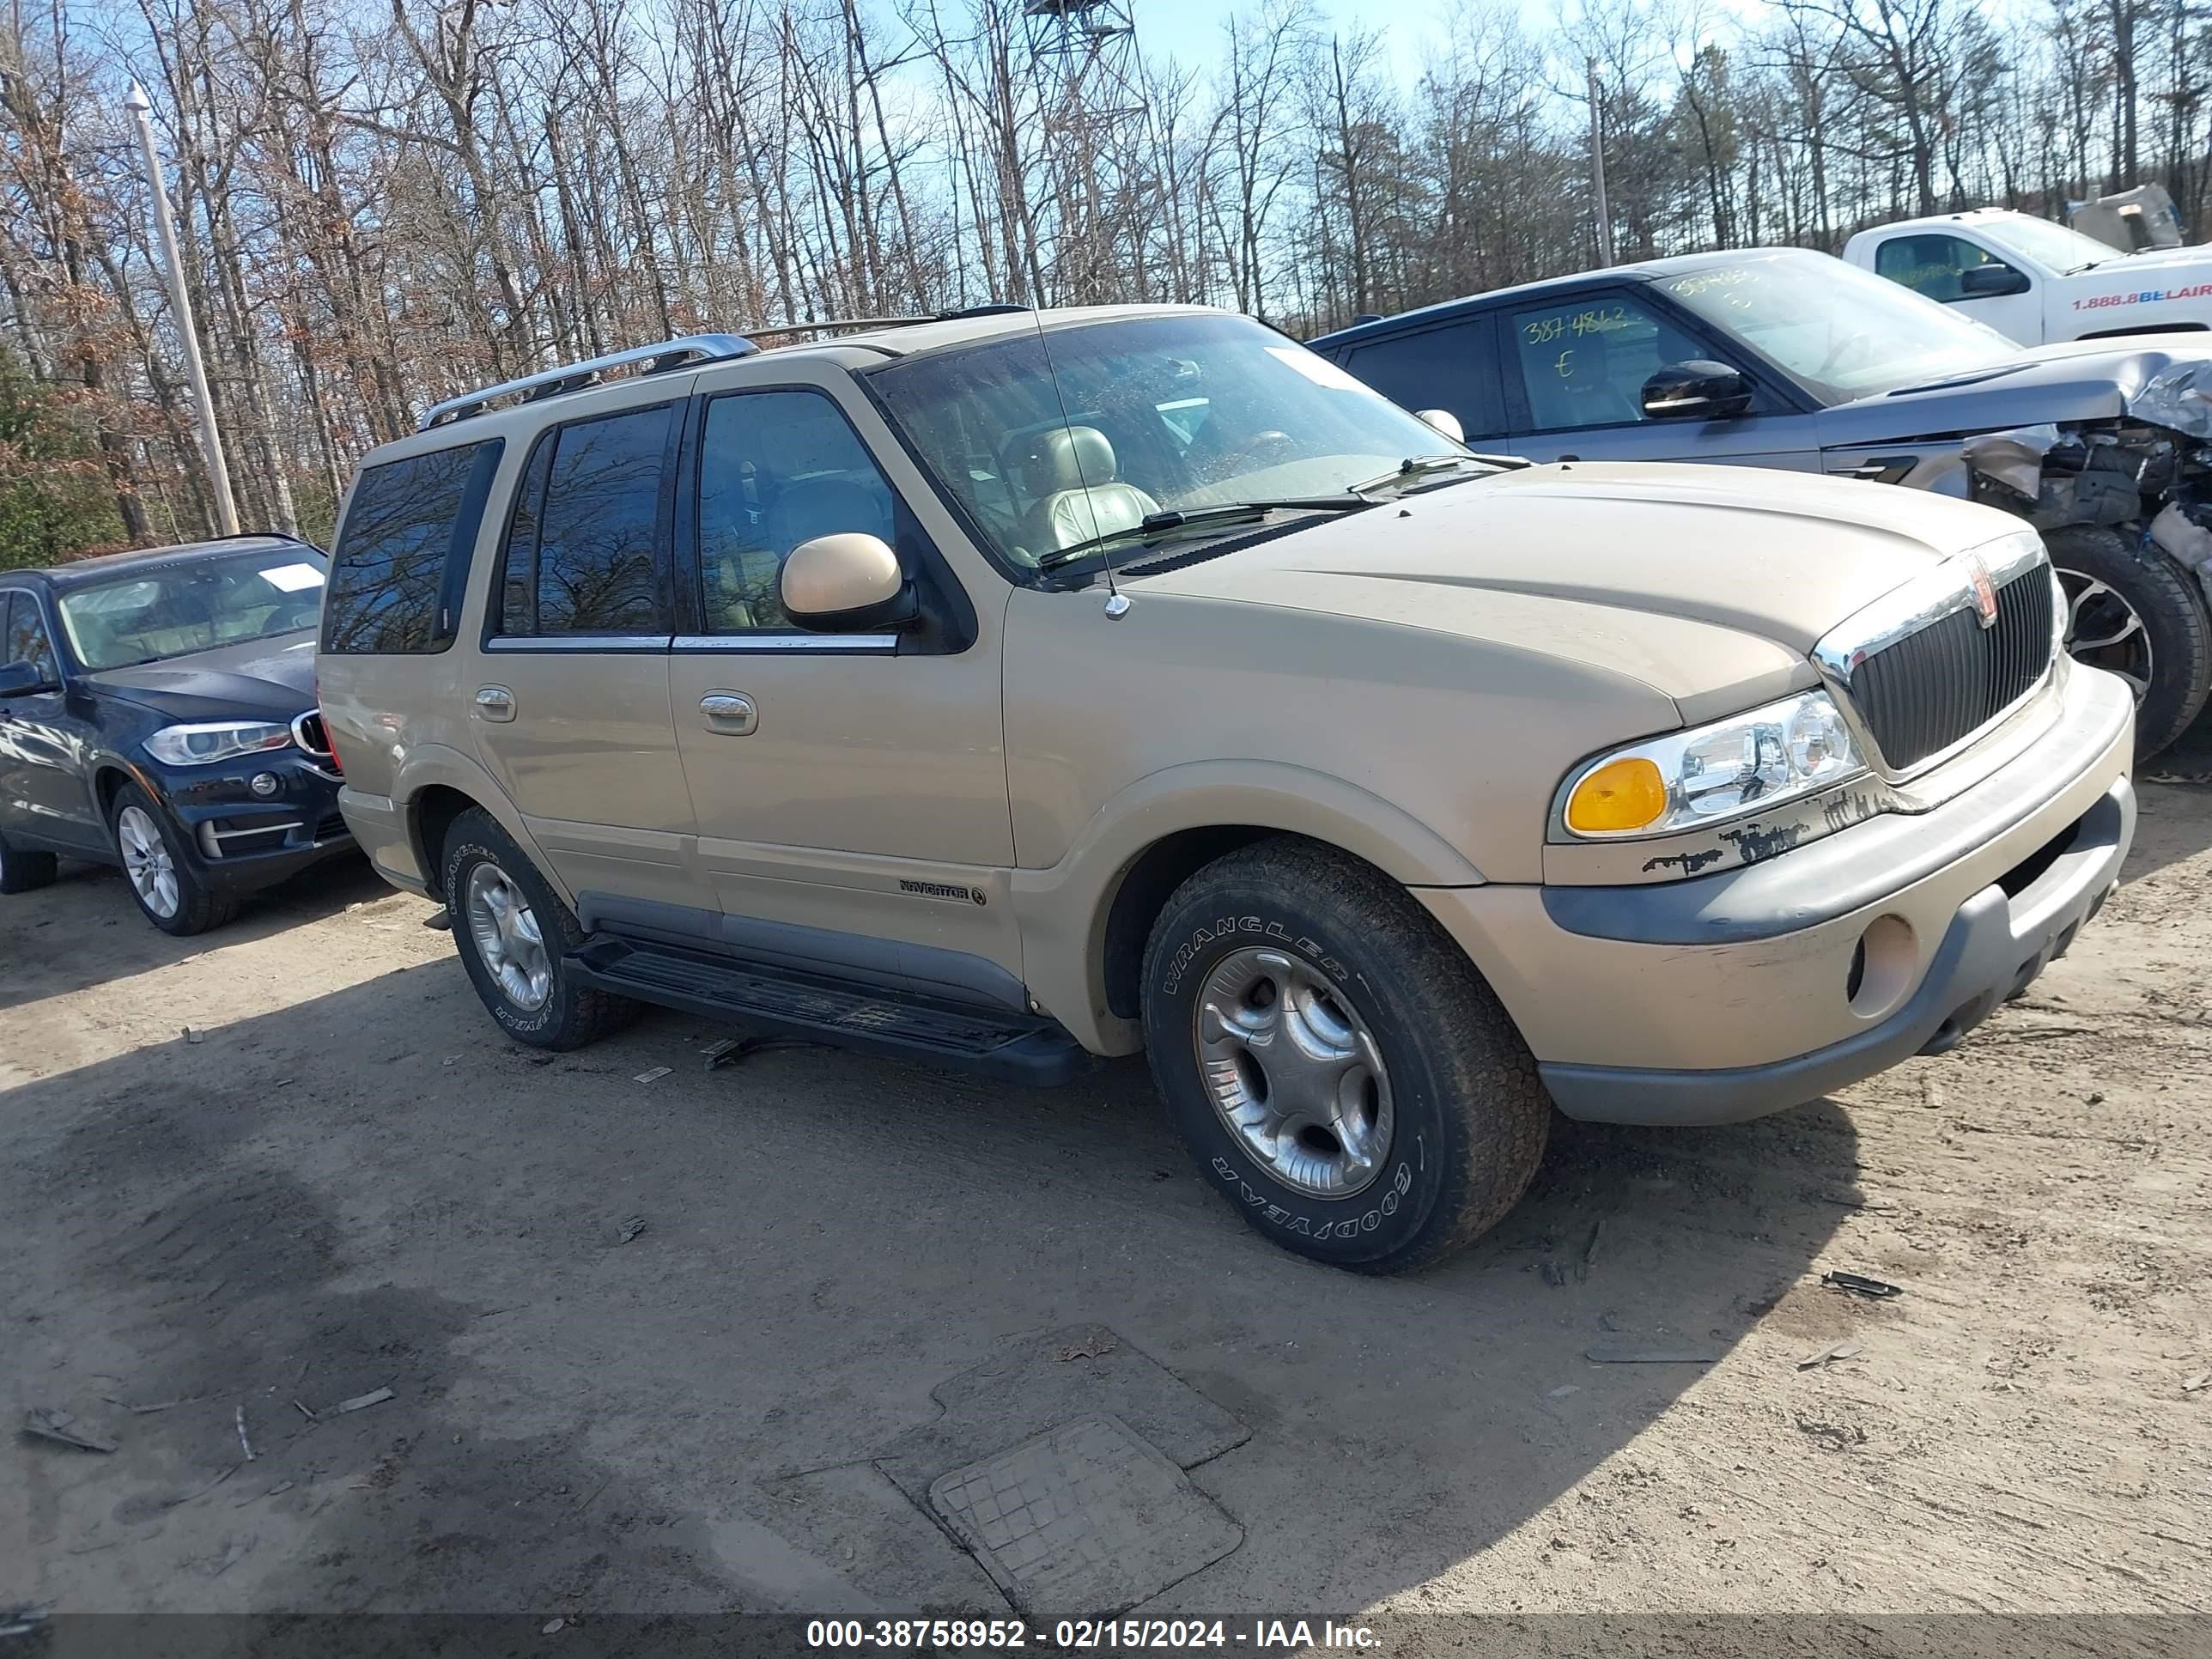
(162,880)
(571,1013)
(1466,1115)
(2175,625)
(21,871)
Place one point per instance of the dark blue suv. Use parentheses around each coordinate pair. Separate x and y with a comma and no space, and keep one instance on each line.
(157,711)
(1781,357)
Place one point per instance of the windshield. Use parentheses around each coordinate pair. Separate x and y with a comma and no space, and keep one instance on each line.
(180,609)
(1840,331)
(1152,414)
(2057,246)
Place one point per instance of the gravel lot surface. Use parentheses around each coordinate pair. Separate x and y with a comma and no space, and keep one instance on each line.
(708,1341)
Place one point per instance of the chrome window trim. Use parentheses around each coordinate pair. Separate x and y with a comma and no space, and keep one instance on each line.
(628,642)
(843,645)
(1921,603)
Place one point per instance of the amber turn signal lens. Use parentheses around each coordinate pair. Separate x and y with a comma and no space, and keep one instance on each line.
(1622,794)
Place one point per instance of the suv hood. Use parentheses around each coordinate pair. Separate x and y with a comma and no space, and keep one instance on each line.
(2149,377)
(269,679)
(1777,556)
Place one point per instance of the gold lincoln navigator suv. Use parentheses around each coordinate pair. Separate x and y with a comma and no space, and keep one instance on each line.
(1009,689)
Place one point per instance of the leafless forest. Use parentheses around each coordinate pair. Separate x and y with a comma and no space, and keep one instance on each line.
(382,204)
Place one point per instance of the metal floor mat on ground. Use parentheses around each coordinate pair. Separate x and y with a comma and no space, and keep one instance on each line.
(1085,1519)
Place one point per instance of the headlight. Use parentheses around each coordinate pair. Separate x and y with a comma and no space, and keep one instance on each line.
(209,741)
(1746,763)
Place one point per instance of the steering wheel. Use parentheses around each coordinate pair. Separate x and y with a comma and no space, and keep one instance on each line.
(1856,337)
(303,614)
(1248,452)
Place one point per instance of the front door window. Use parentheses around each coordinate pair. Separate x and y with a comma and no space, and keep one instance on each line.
(1584,358)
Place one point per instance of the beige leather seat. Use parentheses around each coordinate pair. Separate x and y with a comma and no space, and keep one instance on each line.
(1077,492)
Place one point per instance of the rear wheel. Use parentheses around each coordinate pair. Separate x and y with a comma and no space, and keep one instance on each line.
(169,891)
(20,871)
(514,935)
(2136,612)
(1335,1064)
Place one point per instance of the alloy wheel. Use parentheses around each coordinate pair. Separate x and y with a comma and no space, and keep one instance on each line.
(507,937)
(2104,630)
(147,861)
(1294,1071)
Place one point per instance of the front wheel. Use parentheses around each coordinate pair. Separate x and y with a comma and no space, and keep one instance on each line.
(2134,612)
(1336,1066)
(169,891)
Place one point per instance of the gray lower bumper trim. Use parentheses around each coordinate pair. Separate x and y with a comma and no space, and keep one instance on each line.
(1994,947)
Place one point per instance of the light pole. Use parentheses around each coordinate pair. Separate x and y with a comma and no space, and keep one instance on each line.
(226,510)
(1597,166)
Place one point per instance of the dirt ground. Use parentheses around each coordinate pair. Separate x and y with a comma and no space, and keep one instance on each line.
(703,1339)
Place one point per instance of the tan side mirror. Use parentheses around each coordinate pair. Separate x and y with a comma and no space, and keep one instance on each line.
(849,583)
(1444,421)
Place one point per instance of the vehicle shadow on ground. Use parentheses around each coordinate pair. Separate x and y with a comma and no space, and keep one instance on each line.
(2173,822)
(619,1311)
(44,934)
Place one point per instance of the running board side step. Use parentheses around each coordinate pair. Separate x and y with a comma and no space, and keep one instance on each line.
(995,1043)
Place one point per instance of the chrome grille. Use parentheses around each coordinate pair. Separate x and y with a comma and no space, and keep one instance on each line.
(1928,690)
(314,738)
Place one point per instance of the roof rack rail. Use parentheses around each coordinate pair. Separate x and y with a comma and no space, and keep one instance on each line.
(689,351)
(829,326)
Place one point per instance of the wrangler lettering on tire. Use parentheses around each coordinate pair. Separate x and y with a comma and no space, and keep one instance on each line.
(1338,1068)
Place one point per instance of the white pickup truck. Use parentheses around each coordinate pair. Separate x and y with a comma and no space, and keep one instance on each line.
(2037,282)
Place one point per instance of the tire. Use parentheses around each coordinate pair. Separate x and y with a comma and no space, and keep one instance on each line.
(1455,1122)
(495,936)
(21,871)
(165,883)
(2140,614)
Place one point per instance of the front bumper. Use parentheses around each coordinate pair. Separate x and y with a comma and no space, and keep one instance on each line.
(241,841)
(1727,996)
(1995,946)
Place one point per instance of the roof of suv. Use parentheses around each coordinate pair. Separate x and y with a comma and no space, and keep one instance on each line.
(542,403)
(1643,270)
(971,328)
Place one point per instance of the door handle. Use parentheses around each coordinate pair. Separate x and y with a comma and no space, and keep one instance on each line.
(730,713)
(495,703)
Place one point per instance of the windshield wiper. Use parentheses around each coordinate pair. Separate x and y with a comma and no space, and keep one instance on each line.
(1415,467)
(1171,519)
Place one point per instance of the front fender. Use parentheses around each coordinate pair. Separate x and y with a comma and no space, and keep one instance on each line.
(1063,908)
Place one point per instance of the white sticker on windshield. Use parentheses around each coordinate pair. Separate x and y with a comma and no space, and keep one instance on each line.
(1319,370)
(292,578)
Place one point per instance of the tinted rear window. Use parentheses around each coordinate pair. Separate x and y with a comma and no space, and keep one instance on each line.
(580,557)
(402,553)
(1453,367)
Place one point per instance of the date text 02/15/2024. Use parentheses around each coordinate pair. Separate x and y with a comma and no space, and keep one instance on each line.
(1254,1635)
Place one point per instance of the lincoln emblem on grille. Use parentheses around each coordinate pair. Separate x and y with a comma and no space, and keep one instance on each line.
(1985,590)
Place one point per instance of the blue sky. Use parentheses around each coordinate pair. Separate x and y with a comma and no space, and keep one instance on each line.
(1190,30)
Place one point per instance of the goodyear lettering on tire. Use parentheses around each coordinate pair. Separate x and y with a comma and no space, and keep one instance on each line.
(1366,1222)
